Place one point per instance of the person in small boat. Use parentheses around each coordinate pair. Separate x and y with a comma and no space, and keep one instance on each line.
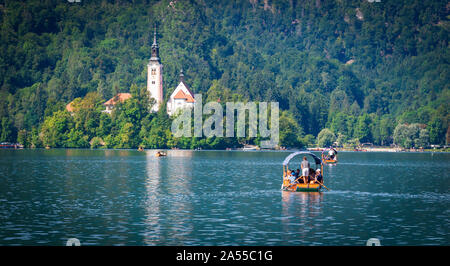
(298,176)
(318,177)
(331,154)
(288,173)
(305,169)
(292,177)
(297,173)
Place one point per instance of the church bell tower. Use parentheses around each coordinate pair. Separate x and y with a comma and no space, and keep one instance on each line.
(155,76)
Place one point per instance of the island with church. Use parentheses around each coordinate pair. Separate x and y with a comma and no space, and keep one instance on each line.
(181,97)
(116,75)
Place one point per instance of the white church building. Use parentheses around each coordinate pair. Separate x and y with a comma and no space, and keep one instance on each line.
(182,96)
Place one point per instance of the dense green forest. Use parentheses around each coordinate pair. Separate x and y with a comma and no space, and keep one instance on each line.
(342,71)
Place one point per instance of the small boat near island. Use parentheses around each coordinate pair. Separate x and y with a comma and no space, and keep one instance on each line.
(308,186)
(160,154)
(8,145)
(250,148)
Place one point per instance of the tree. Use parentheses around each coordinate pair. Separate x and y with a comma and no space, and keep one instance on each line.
(339,124)
(409,136)
(7,131)
(355,110)
(76,139)
(326,138)
(339,101)
(290,132)
(126,139)
(363,129)
(87,111)
(437,131)
(34,139)
(386,128)
(54,132)
(96,142)
(401,137)
(22,138)
(423,139)
(309,140)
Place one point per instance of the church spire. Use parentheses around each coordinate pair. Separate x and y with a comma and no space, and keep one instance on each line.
(181,76)
(155,48)
(154,38)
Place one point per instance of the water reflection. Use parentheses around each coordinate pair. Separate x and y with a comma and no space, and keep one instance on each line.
(179,179)
(168,187)
(302,205)
(180,153)
(152,184)
(299,211)
(329,170)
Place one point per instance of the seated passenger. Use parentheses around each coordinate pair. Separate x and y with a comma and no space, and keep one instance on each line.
(319,176)
(292,177)
(287,173)
(312,174)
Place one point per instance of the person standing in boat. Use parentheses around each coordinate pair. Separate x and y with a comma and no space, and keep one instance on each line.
(305,169)
(331,153)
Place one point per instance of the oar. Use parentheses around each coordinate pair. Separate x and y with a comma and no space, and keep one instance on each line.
(292,183)
(323,185)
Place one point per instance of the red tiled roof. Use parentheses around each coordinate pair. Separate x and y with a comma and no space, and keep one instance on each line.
(69,107)
(187,87)
(181,95)
(189,99)
(120,97)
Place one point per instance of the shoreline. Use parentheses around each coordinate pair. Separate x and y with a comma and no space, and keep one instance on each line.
(372,149)
(383,149)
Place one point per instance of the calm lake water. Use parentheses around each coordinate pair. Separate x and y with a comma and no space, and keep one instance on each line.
(124,197)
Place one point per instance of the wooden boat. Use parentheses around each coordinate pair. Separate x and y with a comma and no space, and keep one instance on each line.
(250,148)
(160,154)
(328,160)
(140,149)
(7,145)
(301,187)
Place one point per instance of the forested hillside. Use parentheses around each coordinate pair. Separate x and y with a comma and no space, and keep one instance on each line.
(353,71)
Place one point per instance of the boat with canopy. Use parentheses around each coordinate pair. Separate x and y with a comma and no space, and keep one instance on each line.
(302,183)
(329,158)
